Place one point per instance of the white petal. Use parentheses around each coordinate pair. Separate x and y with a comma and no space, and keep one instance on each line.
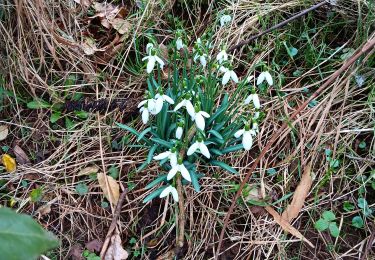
(269,78)
(256,101)
(192,148)
(150,64)
(141,103)
(172,173)
(162,155)
(205,114)
(179,132)
(184,172)
(234,77)
(190,108)
(247,140)
(145,58)
(173,159)
(239,133)
(165,192)
(223,69)
(204,150)
(174,194)
(160,61)
(256,115)
(149,46)
(248,99)
(199,121)
(168,99)
(196,56)
(179,44)
(203,61)
(179,105)
(226,78)
(158,106)
(145,116)
(151,104)
(261,78)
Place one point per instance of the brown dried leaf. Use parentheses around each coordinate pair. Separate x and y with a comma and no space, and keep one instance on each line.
(170,255)
(115,250)
(94,245)
(84,3)
(89,46)
(110,187)
(3,132)
(121,25)
(44,210)
(21,156)
(286,226)
(299,196)
(75,253)
(88,170)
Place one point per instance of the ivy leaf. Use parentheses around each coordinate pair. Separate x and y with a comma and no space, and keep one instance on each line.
(21,237)
(357,222)
(37,104)
(321,224)
(333,229)
(113,172)
(329,216)
(82,189)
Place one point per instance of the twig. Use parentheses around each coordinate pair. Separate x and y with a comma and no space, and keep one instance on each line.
(366,47)
(113,224)
(279,25)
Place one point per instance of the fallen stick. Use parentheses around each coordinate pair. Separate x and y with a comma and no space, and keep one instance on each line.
(366,47)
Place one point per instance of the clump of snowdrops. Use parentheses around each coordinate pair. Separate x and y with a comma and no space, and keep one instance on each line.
(195,110)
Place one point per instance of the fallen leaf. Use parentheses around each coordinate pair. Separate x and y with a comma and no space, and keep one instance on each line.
(121,25)
(286,226)
(9,163)
(88,170)
(43,210)
(115,250)
(89,46)
(4,131)
(75,253)
(170,255)
(21,156)
(299,196)
(94,245)
(85,3)
(110,187)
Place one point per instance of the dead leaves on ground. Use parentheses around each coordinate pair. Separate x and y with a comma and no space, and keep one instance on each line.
(110,188)
(115,250)
(4,131)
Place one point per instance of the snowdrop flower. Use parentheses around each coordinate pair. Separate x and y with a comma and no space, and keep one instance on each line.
(256,114)
(188,105)
(199,145)
(152,58)
(179,130)
(247,137)
(265,75)
(199,119)
(228,74)
(225,19)
(145,114)
(179,167)
(159,102)
(202,59)
(171,155)
(169,189)
(179,44)
(255,98)
(222,56)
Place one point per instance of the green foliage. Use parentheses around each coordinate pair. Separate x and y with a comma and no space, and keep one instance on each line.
(36,195)
(21,237)
(327,221)
(90,256)
(82,189)
(113,172)
(357,222)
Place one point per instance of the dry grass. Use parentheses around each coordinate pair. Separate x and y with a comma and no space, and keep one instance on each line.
(41,49)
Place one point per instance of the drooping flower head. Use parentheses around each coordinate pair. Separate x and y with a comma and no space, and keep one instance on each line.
(152,58)
(247,136)
(199,145)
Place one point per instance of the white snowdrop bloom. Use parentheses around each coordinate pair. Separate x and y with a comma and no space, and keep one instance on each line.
(255,98)
(199,145)
(202,59)
(247,137)
(145,114)
(179,132)
(179,167)
(159,101)
(199,119)
(169,189)
(150,103)
(179,44)
(265,75)
(225,19)
(228,74)
(222,56)
(188,105)
(171,155)
(256,114)
(152,58)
